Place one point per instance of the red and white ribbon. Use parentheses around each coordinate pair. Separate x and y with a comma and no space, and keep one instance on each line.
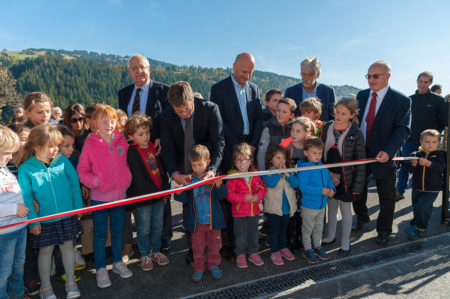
(193,185)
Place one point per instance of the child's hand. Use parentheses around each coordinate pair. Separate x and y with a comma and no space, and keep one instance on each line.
(22,210)
(218,183)
(330,192)
(85,192)
(424,162)
(36,206)
(36,230)
(414,162)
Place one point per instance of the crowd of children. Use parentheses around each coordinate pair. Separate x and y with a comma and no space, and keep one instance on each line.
(101,156)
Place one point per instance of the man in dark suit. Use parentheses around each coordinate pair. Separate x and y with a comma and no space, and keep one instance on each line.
(385,117)
(152,95)
(148,97)
(187,122)
(310,71)
(206,128)
(240,107)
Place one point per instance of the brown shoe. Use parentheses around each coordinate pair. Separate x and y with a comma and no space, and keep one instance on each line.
(127,252)
(399,196)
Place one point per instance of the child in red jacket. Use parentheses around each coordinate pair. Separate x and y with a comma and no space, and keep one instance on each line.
(245,195)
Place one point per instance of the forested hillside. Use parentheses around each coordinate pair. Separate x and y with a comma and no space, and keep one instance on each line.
(86,77)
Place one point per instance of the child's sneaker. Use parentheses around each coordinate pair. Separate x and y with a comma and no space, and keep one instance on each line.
(276,258)
(256,259)
(197,276)
(72,290)
(159,258)
(287,254)
(215,272)
(322,254)
(102,277)
(241,262)
(32,288)
(47,293)
(146,263)
(122,269)
(412,232)
(63,277)
(310,256)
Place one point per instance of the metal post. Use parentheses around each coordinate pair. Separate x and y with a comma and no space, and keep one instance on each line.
(445,191)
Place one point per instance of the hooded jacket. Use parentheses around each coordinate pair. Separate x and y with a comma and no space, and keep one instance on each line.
(352,147)
(55,188)
(427,178)
(103,167)
(238,189)
(10,198)
(311,184)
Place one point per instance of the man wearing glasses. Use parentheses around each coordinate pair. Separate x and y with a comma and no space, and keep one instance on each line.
(190,121)
(384,118)
(145,95)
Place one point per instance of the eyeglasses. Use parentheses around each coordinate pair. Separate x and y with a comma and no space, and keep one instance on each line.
(74,120)
(243,160)
(188,110)
(139,68)
(375,76)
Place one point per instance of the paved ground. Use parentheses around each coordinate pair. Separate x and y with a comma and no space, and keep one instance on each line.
(422,276)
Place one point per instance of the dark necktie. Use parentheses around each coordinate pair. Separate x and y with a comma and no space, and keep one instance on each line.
(188,144)
(136,102)
(370,117)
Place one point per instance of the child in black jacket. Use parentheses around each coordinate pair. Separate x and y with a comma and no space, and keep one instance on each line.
(147,176)
(427,181)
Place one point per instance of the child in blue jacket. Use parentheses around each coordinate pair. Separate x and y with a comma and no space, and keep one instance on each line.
(316,187)
(204,217)
(50,179)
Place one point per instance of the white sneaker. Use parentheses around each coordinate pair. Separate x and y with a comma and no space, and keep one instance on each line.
(72,290)
(122,269)
(78,258)
(102,277)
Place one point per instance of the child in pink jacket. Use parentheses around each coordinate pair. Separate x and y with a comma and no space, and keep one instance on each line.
(103,168)
(245,195)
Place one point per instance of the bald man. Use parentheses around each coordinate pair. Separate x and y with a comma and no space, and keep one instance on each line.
(240,107)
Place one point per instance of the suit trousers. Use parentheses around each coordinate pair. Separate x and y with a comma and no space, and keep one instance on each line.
(386,195)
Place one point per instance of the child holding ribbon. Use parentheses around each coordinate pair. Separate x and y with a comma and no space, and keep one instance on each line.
(343,142)
(245,195)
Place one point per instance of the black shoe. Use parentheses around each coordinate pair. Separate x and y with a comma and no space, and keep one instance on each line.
(358,225)
(342,252)
(327,243)
(399,196)
(32,288)
(382,238)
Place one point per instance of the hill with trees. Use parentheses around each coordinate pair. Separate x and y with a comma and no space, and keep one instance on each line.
(85,77)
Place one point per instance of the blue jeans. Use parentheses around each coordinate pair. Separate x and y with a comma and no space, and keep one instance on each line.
(116,222)
(403,175)
(12,259)
(422,203)
(149,227)
(277,231)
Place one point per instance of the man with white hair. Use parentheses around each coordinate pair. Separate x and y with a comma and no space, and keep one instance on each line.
(384,118)
(145,95)
(310,71)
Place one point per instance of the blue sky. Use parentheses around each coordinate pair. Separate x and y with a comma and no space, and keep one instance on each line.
(346,35)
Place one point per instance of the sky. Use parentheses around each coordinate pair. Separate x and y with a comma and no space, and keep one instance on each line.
(346,35)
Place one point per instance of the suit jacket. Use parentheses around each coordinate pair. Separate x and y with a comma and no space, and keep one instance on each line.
(390,128)
(224,95)
(207,130)
(324,92)
(157,101)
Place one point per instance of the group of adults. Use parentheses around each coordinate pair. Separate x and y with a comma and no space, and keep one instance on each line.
(234,115)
